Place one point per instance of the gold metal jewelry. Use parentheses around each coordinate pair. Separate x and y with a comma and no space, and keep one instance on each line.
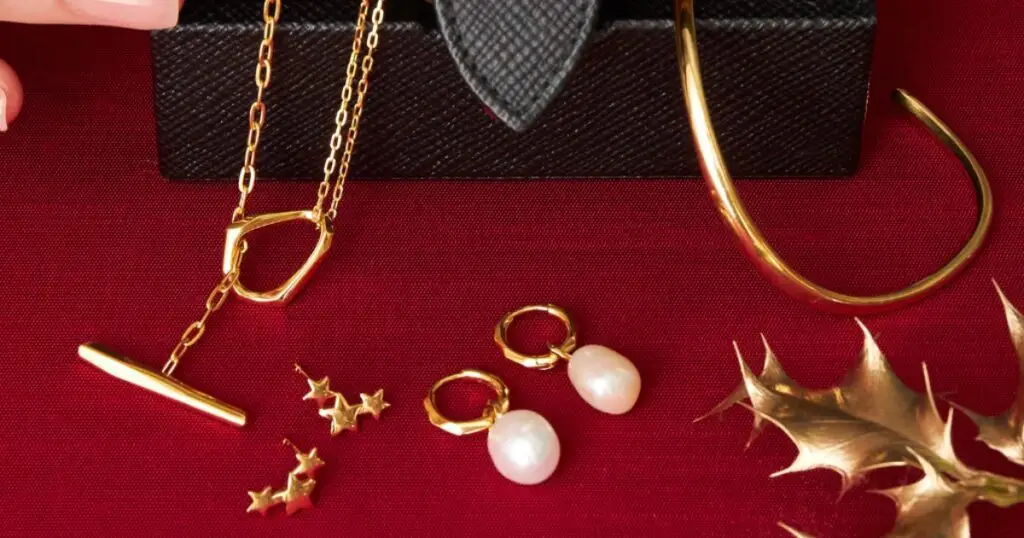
(321,215)
(297,494)
(754,244)
(235,246)
(309,462)
(343,415)
(522,444)
(161,383)
(603,377)
(493,410)
(544,361)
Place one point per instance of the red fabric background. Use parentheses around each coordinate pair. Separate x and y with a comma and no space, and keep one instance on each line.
(95,245)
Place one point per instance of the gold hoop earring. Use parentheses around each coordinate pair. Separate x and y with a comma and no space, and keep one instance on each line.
(604,378)
(522,444)
(756,247)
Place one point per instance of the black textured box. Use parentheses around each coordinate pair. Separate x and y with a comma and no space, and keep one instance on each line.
(787,82)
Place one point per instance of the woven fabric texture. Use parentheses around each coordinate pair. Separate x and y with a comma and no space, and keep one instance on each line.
(95,245)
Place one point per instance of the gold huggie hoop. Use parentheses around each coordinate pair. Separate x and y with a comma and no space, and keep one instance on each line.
(554,354)
(756,247)
(491,413)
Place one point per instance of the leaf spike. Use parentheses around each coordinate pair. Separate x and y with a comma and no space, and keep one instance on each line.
(739,354)
(928,391)
(750,381)
(872,355)
(1013,316)
(794,532)
(999,290)
(947,437)
(772,367)
(737,395)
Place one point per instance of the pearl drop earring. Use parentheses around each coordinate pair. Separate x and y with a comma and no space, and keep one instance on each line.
(604,378)
(522,444)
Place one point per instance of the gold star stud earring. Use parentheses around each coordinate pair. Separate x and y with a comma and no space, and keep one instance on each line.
(309,462)
(343,415)
(373,405)
(296,495)
(262,501)
(297,492)
(319,391)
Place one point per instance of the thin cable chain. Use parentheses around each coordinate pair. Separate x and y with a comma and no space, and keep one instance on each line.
(357,109)
(258,110)
(257,116)
(341,117)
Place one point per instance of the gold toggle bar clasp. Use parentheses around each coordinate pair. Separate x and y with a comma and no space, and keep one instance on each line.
(235,245)
(125,369)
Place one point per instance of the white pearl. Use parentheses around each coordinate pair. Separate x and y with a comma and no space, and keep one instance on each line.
(605,379)
(523,446)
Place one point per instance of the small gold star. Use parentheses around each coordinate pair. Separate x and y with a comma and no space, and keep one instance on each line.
(261,501)
(342,415)
(296,495)
(374,404)
(308,463)
(320,391)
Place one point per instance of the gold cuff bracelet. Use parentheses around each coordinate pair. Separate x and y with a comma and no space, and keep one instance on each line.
(756,247)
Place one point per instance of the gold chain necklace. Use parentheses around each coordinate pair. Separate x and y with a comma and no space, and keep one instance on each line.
(321,215)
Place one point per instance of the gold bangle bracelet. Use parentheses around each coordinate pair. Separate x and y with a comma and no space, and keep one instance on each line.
(726,197)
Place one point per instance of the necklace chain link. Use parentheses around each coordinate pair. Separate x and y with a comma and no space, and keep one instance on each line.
(357,108)
(258,110)
(257,119)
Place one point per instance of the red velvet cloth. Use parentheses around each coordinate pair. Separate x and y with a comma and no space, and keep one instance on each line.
(96,246)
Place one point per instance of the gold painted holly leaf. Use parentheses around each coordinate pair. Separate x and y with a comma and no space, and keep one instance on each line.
(1005,433)
(871,420)
(772,376)
(933,507)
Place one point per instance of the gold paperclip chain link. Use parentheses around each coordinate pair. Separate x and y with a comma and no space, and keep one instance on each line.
(195,331)
(258,110)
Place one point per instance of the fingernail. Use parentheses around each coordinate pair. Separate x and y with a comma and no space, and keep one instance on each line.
(145,14)
(3,111)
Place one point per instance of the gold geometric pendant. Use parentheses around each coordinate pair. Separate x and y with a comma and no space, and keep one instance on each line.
(235,245)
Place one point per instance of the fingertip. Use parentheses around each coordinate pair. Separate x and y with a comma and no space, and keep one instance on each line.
(11,95)
(140,14)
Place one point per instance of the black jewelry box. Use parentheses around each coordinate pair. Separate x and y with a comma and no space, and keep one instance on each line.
(787,82)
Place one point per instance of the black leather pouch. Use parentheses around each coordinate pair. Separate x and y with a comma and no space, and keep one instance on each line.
(519,88)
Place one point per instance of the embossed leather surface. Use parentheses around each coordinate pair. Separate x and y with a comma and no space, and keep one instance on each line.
(516,55)
(787,83)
